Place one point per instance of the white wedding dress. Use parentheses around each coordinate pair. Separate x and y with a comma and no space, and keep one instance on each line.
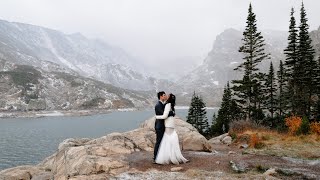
(169,150)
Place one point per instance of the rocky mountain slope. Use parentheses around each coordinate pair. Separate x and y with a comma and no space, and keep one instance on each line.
(28,44)
(218,66)
(25,88)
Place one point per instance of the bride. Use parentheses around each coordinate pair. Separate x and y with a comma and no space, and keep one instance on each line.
(169,150)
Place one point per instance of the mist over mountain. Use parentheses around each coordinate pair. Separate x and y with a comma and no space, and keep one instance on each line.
(75,63)
(40,47)
(174,69)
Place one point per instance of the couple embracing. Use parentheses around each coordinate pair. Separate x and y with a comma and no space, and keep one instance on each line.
(166,149)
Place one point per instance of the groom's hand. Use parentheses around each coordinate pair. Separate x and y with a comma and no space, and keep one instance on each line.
(171,113)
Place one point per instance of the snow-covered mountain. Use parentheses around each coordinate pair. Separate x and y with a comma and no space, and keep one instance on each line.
(74,53)
(25,88)
(217,68)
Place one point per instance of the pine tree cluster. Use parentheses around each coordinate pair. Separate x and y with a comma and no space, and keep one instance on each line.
(267,98)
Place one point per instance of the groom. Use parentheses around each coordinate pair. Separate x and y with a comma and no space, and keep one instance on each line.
(159,123)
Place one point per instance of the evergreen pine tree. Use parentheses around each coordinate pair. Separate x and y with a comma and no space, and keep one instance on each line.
(214,118)
(306,66)
(282,100)
(315,102)
(191,117)
(291,67)
(213,130)
(316,97)
(248,89)
(271,92)
(197,115)
(225,113)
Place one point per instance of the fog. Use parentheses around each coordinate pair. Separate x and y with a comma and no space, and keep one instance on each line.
(156,31)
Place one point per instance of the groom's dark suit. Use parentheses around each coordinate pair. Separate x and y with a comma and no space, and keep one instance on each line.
(158,126)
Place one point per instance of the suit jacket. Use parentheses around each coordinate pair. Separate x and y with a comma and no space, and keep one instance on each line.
(159,123)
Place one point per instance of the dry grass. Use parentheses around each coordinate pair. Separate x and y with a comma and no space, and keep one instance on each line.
(315,128)
(274,143)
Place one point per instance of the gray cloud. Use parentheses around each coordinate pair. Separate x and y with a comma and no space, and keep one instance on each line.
(155,30)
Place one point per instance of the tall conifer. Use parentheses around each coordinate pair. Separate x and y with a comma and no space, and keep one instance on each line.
(306,66)
(282,99)
(271,92)
(291,65)
(247,90)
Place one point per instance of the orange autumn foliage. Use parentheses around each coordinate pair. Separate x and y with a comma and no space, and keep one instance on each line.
(293,123)
(256,142)
(315,127)
(253,140)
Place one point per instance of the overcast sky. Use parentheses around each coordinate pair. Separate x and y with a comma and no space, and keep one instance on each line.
(154,30)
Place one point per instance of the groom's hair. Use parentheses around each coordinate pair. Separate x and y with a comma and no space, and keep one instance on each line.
(160,94)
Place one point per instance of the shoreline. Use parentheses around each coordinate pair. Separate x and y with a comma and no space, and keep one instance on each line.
(84,112)
(57,113)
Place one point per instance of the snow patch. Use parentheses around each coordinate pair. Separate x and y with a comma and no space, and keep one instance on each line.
(49,45)
(53,113)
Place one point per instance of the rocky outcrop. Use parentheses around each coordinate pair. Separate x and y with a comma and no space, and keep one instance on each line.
(103,157)
(222,139)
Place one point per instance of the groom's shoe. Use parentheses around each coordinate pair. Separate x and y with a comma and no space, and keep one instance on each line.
(154,162)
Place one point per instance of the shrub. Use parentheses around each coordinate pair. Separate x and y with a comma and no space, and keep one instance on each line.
(256,142)
(93,102)
(233,135)
(253,140)
(293,123)
(305,126)
(315,127)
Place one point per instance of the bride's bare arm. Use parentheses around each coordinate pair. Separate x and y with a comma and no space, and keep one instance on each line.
(166,112)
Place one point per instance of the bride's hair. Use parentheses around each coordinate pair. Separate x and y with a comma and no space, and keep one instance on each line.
(172,100)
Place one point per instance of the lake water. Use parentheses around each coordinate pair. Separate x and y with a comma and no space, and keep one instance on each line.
(27,141)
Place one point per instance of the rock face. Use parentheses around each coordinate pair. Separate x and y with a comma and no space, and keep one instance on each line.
(103,157)
(211,76)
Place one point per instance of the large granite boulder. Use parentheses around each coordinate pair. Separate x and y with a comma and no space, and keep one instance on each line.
(190,139)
